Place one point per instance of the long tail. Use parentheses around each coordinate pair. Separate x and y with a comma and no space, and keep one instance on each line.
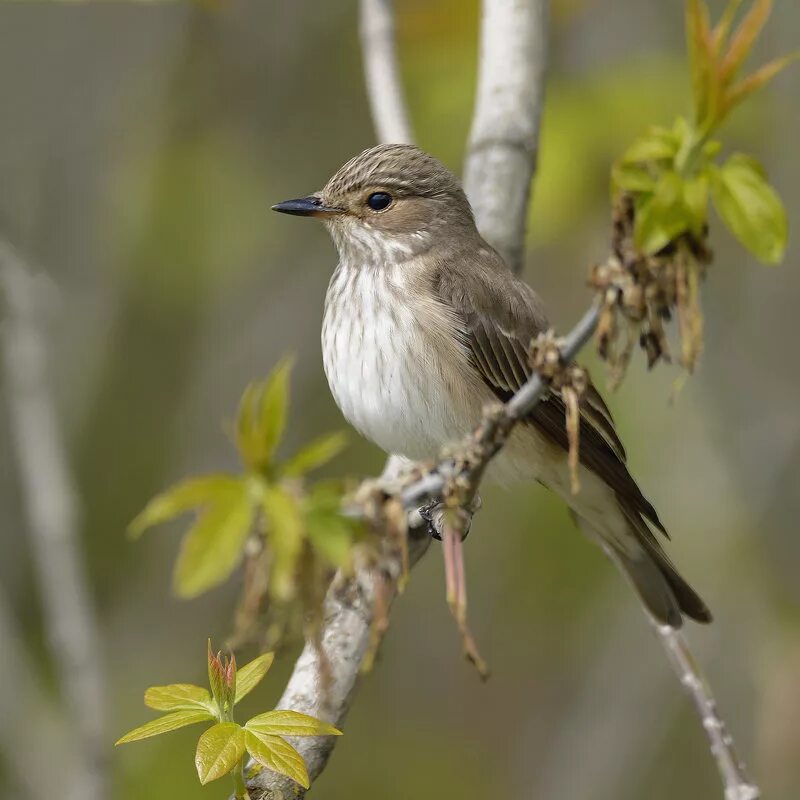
(667,596)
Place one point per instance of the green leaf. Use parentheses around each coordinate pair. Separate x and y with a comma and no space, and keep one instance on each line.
(662,216)
(750,207)
(213,547)
(262,417)
(744,38)
(219,750)
(290,723)
(169,722)
(177,696)
(752,83)
(659,144)
(250,675)
(278,755)
(285,532)
(632,178)
(331,535)
(314,455)
(184,496)
(245,421)
(274,406)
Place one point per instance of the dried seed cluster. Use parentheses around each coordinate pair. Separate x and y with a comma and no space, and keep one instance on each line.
(640,293)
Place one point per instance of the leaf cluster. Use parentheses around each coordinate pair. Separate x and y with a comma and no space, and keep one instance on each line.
(221,748)
(673,173)
(269,500)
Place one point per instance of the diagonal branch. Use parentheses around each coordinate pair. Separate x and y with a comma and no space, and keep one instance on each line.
(52,509)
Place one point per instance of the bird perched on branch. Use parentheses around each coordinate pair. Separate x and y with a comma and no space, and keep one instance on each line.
(424,324)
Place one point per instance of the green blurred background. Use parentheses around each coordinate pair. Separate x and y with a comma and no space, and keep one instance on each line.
(141,145)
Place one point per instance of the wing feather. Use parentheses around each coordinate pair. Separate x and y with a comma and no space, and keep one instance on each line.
(499,316)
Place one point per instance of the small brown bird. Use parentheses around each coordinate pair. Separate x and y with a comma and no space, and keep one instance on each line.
(424,324)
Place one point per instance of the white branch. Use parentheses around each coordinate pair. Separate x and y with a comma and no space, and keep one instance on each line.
(51,503)
(504,139)
(324,686)
(382,73)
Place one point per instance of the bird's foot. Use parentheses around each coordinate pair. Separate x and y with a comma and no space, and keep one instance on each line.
(433,514)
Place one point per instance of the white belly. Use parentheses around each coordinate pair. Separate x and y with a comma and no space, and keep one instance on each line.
(384,371)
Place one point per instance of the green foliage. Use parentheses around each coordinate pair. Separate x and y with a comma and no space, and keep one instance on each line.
(178,696)
(221,748)
(290,723)
(165,724)
(251,674)
(672,173)
(262,418)
(278,755)
(717,56)
(269,498)
(750,207)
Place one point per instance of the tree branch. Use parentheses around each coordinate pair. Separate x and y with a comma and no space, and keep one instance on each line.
(504,140)
(735,780)
(52,509)
(324,679)
(382,72)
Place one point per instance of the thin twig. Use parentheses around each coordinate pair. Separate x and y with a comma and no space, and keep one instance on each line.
(735,780)
(52,510)
(382,72)
(504,139)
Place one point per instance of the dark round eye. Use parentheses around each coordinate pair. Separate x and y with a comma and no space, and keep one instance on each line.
(378,201)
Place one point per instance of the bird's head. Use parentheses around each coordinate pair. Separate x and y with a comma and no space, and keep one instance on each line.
(388,204)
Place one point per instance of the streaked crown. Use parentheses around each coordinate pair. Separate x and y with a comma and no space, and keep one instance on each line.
(403,168)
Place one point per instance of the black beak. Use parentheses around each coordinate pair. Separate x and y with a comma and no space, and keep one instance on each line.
(311,206)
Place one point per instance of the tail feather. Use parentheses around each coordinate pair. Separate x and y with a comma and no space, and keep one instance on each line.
(665,594)
(654,589)
(689,601)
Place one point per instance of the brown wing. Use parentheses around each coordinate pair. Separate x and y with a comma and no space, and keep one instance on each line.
(499,315)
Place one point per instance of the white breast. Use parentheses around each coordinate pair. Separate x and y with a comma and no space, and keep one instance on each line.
(389,378)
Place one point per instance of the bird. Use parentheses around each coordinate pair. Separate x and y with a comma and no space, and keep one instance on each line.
(424,324)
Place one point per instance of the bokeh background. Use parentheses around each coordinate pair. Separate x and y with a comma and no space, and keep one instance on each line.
(141,145)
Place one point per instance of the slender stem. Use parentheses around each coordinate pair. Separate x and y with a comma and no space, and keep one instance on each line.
(239,784)
(735,780)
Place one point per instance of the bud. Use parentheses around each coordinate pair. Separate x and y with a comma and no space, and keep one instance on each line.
(222,680)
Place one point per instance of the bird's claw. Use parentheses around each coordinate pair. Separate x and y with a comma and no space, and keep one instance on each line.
(433,515)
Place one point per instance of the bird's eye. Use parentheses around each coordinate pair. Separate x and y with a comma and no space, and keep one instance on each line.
(378,201)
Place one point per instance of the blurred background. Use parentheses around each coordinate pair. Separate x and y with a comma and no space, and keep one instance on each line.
(141,145)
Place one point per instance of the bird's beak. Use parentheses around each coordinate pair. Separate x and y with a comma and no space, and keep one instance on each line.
(311,206)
